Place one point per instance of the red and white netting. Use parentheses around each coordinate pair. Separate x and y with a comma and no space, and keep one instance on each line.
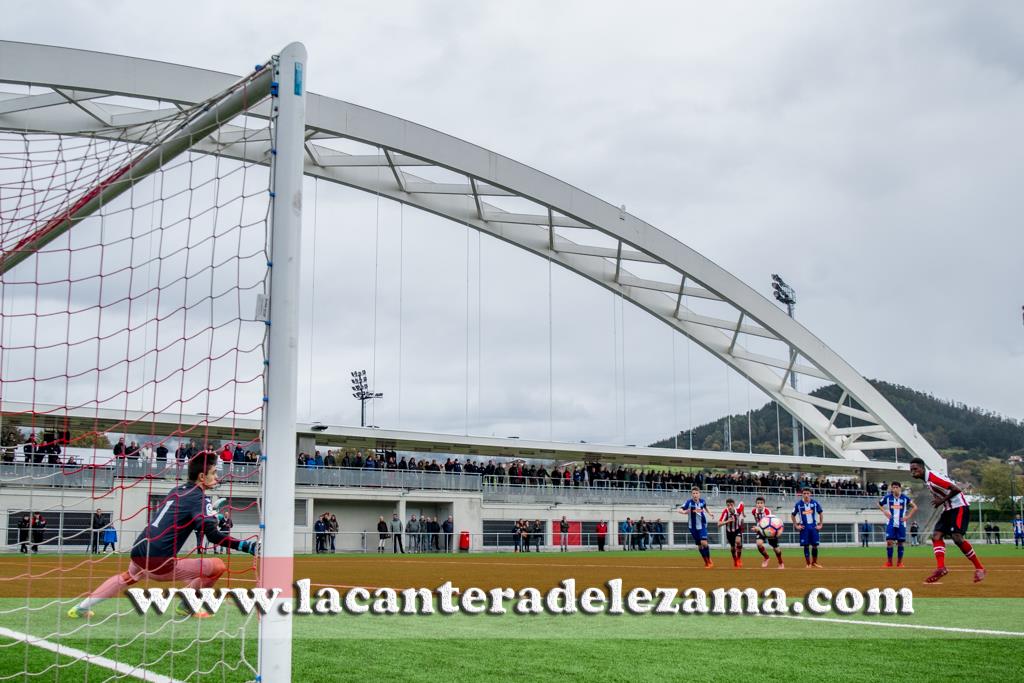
(131,338)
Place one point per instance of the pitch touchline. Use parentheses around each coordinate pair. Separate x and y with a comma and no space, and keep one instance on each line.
(119,667)
(659,566)
(923,627)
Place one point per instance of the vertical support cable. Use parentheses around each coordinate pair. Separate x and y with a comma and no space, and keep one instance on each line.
(401,290)
(675,402)
(376,286)
(551,360)
(689,391)
(312,297)
(750,433)
(778,426)
(468,242)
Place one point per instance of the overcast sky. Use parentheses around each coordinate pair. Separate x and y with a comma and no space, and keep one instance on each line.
(869,152)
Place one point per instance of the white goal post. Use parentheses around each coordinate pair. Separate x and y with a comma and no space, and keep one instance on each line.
(289,107)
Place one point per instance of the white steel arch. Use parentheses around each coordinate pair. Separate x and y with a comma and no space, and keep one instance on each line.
(594,239)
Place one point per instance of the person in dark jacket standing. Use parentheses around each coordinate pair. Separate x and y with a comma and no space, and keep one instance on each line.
(224,525)
(320,533)
(659,534)
(382,534)
(563,535)
(447,527)
(38,528)
(24,531)
(332,530)
(537,534)
(99,522)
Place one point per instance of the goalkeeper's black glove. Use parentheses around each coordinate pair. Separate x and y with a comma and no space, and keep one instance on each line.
(251,547)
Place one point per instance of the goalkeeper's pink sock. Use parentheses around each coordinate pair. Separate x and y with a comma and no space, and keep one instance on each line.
(111,588)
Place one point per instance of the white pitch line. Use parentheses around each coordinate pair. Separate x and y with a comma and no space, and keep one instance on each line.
(120,667)
(923,627)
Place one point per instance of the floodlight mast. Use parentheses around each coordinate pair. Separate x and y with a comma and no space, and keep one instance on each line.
(361,392)
(785,295)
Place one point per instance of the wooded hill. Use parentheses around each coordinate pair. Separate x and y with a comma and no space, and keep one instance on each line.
(960,432)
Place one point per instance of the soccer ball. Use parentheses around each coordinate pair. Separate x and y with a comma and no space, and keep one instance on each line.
(771,526)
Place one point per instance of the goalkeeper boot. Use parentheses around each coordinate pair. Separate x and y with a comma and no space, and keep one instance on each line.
(181,611)
(78,613)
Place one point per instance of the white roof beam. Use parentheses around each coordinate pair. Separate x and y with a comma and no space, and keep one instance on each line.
(48,99)
(493,215)
(654,285)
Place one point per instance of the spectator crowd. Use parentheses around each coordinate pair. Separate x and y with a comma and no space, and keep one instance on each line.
(517,473)
(593,475)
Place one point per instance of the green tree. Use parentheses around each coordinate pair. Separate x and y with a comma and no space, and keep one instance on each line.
(98,440)
(995,483)
(10,435)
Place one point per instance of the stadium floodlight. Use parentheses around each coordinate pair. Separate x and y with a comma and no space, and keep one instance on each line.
(1013,461)
(361,392)
(786,296)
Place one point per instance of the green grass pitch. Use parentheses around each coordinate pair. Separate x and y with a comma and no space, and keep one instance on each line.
(544,647)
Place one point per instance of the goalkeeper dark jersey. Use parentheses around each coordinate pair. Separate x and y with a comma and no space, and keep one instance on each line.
(185,510)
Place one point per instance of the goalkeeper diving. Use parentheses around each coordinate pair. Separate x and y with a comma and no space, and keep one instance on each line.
(154,555)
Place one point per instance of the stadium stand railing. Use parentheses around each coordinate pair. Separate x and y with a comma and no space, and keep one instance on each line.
(493,488)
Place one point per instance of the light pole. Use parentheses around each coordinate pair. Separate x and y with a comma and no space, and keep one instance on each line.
(1014,460)
(361,391)
(785,295)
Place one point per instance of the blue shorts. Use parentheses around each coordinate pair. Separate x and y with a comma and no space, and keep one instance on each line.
(809,536)
(895,533)
(699,535)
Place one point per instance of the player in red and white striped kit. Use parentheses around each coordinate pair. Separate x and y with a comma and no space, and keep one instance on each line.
(732,519)
(954,520)
(757,513)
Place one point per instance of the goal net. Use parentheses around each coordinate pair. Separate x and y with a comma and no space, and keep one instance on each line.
(135,272)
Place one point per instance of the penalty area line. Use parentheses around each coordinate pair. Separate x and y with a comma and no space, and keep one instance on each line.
(922,627)
(120,667)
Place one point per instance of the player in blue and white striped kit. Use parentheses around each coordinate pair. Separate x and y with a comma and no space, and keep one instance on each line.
(898,508)
(698,511)
(808,518)
(1018,532)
